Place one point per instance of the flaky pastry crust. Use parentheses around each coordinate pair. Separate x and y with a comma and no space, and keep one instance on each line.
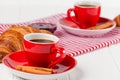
(117,20)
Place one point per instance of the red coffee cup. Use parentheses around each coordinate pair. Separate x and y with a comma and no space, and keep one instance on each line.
(86,14)
(41,49)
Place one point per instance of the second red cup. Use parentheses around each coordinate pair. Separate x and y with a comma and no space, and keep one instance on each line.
(86,13)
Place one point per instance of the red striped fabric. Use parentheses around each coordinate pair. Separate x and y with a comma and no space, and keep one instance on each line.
(74,45)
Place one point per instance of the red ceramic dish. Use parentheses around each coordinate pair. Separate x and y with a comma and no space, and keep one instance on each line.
(18,58)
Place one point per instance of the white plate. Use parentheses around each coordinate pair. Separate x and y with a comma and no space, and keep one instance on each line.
(72,28)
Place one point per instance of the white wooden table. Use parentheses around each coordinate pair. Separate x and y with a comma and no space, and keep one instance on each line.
(101,64)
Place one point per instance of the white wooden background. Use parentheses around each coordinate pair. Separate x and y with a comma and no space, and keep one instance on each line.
(12,11)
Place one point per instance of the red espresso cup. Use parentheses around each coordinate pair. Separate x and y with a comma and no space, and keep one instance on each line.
(41,49)
(86,13)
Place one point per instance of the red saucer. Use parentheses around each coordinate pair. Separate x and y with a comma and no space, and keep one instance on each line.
(19,58)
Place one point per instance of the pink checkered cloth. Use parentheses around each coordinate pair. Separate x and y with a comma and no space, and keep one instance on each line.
(75,45)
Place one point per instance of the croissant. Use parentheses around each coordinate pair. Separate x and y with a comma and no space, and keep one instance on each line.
(117,20)
(11,40)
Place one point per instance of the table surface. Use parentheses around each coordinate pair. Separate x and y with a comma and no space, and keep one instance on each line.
(101,64)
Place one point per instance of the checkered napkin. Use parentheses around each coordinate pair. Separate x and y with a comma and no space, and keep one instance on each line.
(75,45)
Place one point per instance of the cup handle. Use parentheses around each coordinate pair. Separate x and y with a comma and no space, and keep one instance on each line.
(69,15)
(59,59)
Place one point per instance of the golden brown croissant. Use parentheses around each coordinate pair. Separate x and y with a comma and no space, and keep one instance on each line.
(117,20)
(11,39)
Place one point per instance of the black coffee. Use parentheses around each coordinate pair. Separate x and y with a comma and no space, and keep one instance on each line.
(42,40)
(87,5)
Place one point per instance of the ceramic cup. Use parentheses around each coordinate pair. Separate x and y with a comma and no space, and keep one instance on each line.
(42,50)
(87,13)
